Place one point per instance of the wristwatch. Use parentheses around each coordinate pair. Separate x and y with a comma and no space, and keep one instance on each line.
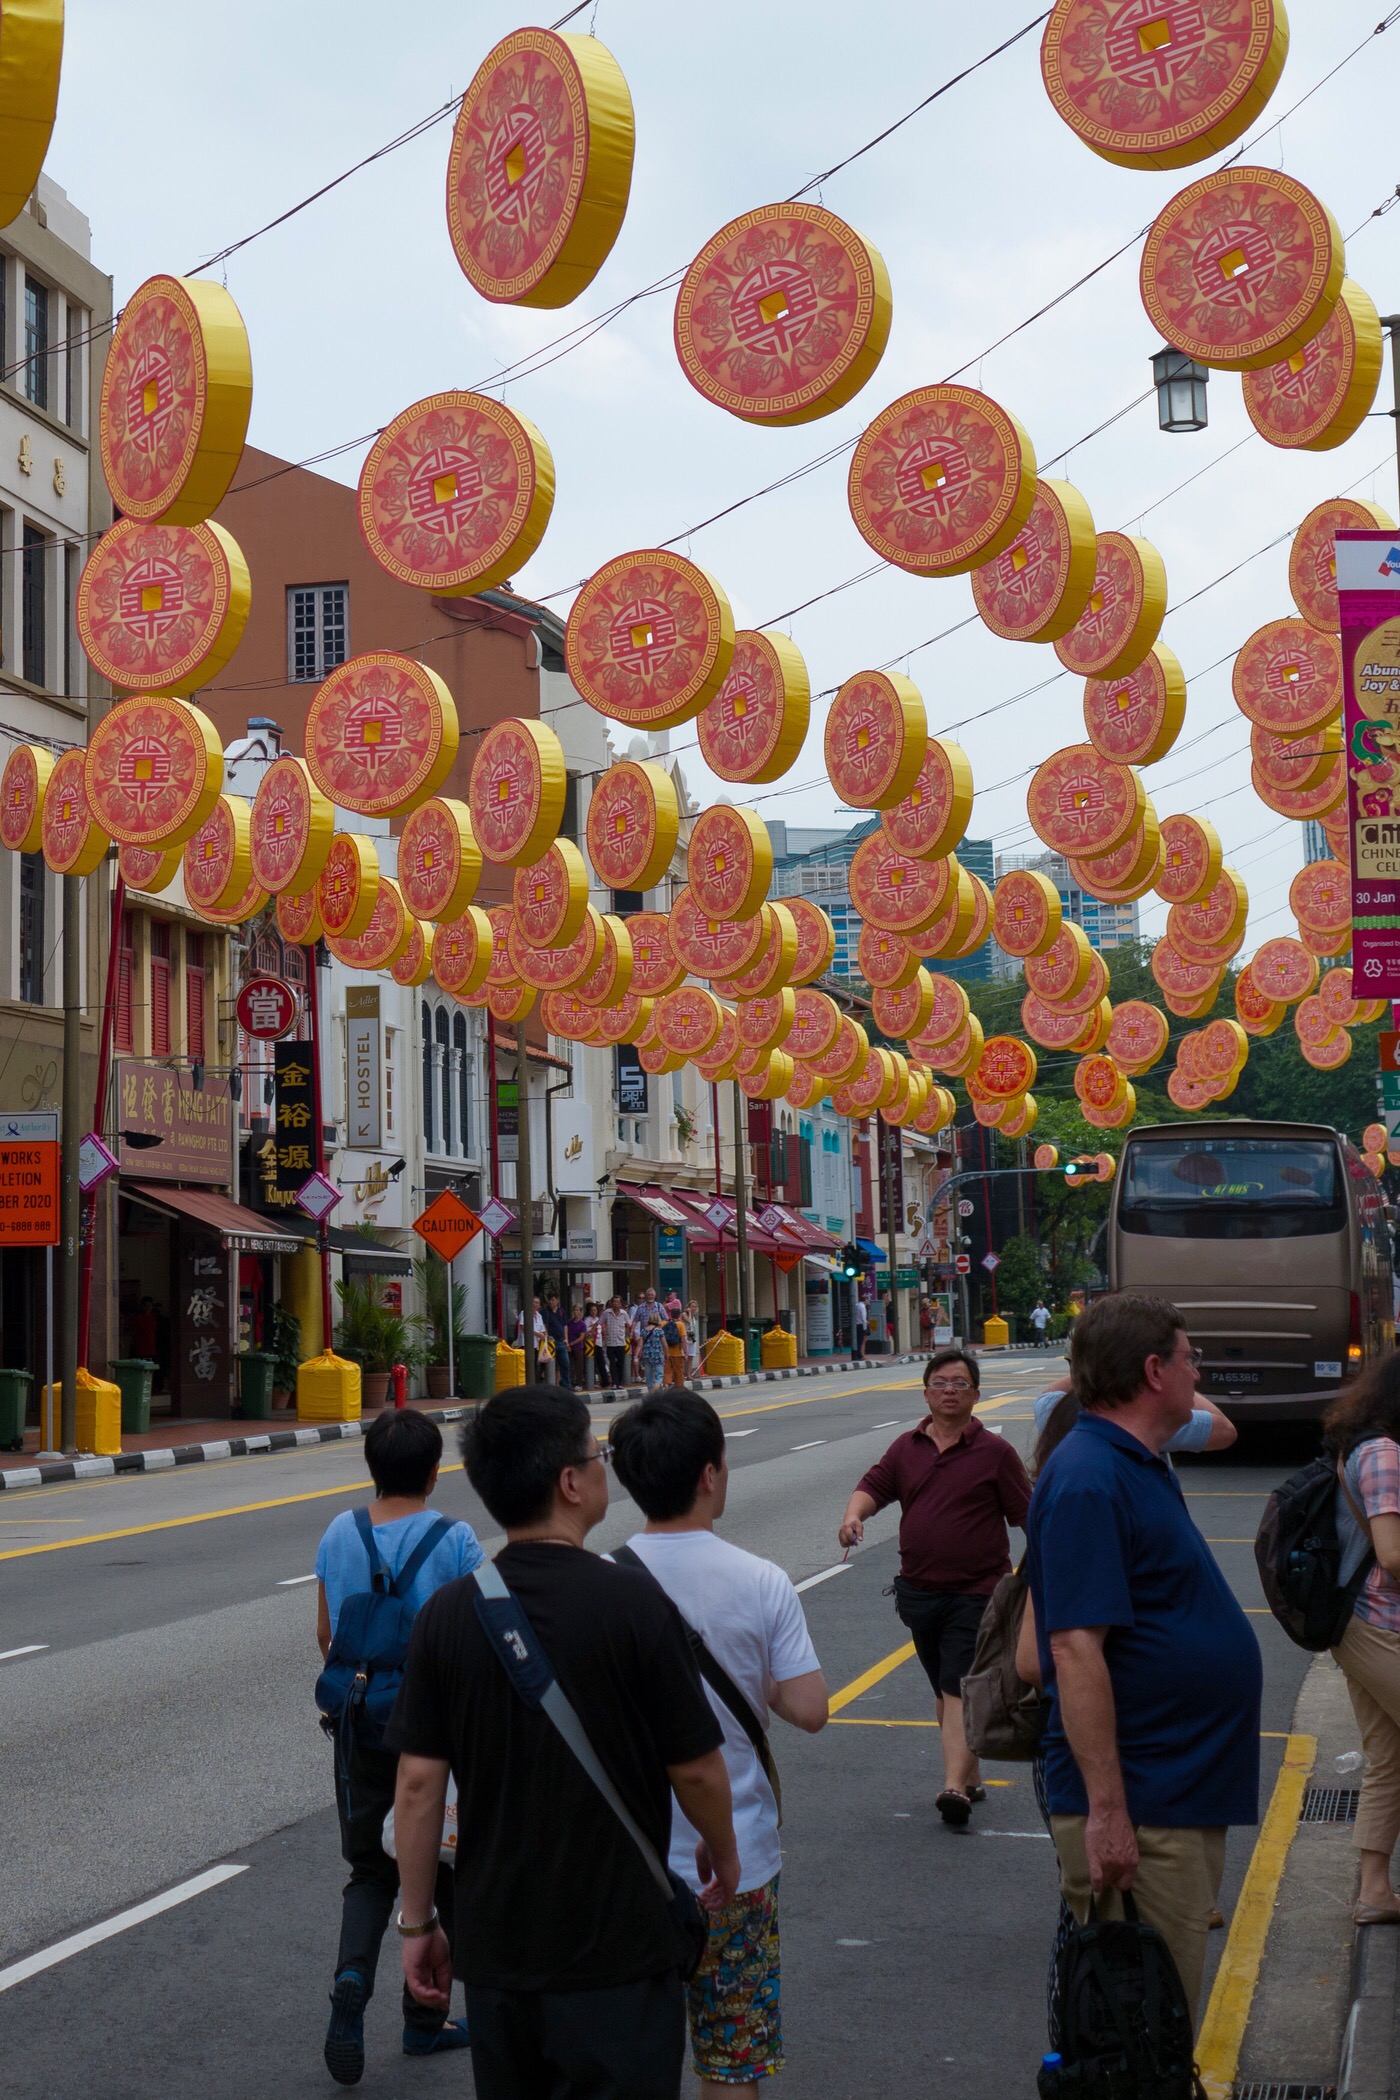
(417,1932)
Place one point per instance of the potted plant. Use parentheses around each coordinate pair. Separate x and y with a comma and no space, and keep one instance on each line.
(432,1282)
(286,1347)
(375,1337)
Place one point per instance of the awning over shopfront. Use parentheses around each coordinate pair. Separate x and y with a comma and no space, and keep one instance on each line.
(666,1208)
(879,1255)
(240,1231)
(363,1254)
(823,1262)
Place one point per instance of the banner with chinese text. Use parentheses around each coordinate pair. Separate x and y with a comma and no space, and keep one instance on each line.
(1368,586)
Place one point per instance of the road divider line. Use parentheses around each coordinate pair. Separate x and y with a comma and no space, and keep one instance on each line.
(871,1677)
(1041,1837)
(34,1648)
(79,1942)
(1232,1994)
(292,1582)
(843,1567)
(815,1444)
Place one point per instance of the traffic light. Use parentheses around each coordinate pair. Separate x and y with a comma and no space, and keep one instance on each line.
(851,1263)
(1080,1172)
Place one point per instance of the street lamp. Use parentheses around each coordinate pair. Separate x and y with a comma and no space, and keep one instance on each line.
(1181,390)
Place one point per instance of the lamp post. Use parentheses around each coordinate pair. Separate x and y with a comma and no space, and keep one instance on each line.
(1181,390)
(1391,324)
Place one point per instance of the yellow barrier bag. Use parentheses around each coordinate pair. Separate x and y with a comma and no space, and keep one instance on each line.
(328,1389)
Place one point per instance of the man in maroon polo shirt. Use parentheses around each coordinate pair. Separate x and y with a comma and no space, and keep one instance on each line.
(958,1486)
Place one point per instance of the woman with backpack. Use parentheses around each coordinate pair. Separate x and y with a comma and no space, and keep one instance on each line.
(1363,1429)
(653,1348)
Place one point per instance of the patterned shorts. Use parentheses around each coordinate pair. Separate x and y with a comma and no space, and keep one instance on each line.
(736,2025)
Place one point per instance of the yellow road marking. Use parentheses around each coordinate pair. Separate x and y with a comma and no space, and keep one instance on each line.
(859,1721)
(1222,2030)
(870,1677)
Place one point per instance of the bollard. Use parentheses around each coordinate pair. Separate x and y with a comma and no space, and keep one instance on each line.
(399,1377)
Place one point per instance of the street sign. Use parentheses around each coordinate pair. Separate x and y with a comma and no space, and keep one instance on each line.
(318,1197)
(718,1214)
(29,1194)
(38,1126)
(991,1262)
(964,1208)
(448,1224)
(1390,1089)
(266,1008)
(497,1218)
(963,1264)
(95,1163)
(1389,1045)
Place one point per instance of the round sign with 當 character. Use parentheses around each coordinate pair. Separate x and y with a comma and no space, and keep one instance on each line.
(177,389)
(154,770)
(729,861)
(1288,678)
(381,734)
(516,797)
(455,494)
(73,842)
(162,608)
(1137,718)
(1316,399)
(754,727)
(933,817)
(384,939)
(218,859)
(540,168)
(895,892)
(347,888)
(876,739)
(1312,559)
(1242,268)
(1082,804)
(633,823)
(941,481)
(291,827)
(650,639)
(1123,617)
(150,868)
(22,787)
(1036,589)
(439,859)
(783,315)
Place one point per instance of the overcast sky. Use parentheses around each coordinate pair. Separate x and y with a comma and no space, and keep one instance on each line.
(181,129)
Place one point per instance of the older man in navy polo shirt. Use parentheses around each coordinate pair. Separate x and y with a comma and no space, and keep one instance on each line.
(1152,1744)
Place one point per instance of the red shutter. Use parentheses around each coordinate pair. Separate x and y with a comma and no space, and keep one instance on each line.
(160,1006)
(125,963)
(194,1012)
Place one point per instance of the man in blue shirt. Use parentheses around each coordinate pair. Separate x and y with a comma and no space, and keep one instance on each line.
(1152,1744)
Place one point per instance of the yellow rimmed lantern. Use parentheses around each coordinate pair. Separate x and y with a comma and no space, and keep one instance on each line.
(1191,859)
(1320,395)
(550,896)
(439,859)
(387,936)
(729,861)
(291,827)
(381,734)
(1026,912)
(633,824)
(299,917)
(414,965)
(1082,804)
(161,608)
(1036,589)
(461,952)
(23,785)
(756,724)
(177,390)
(933,817)
(154,770)
(347,888)
(1123,617)
(516,796)
(31,60)
(72,840)
(1137,718)
(816,939)
(1312,559)
(876,739)
(150,868)
(1288,678)
(218,859)
(776,962)
(650,639)
(455,494)
(941,481)
(611,978)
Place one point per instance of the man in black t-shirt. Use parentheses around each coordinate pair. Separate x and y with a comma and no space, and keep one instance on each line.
(563,1940)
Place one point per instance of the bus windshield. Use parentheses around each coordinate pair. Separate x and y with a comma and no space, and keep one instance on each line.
(1231,1188)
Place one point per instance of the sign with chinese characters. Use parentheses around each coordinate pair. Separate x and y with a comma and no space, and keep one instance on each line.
(28,1195)
(1368,587)
(168,1128)
(266,1008)
(203,1365)
(293,1116)
(1389,1050)
(363,1080)
(448,1224)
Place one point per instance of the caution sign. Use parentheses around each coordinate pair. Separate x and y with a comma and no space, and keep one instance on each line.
(448,1224)
(28,1195)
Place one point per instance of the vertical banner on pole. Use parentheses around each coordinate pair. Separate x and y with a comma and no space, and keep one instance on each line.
(1368,587)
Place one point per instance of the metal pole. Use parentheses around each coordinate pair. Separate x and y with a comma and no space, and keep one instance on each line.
(1391,323)
(493,1124)
(741,1229)
(99,1116)
(451,1323)
(527,1207)
(883,1130)
(313,983)
(48,1426)
(719,1191)
(69,1202)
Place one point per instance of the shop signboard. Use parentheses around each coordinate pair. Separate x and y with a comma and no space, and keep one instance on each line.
(293,1115)
(364,1084)
(266,1008)
(631,1082)
(168,1128)
(507,1120)
(670,1259)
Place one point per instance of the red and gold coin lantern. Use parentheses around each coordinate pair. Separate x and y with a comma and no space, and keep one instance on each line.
(961,1054)
(561,969)
(1026,913)
(656,968)
(610,979)
(846,1055)
(1137,718)
(1061,971)
(710,947)
(634,820)
(414,963)
(439,859)
(1131,870)
(806,1089)
(176,394)
(1036,589)
(501,919)
(1210,929)
(381,734)
(1007,1068)
(934,815)
(1374,1138)
(816,1023)
(949,1014)
(161,608)
(892,891)
(885,960)
(299,917)
(154,770)
(1312,1024)
(23,785)
(937,1112)
(550,896)
(816,940)
(510,1003)
(1288,678)
(1330,1056)
(1259,1015)
(1082,804)
(218,859)
(1124,614)
(650,639)
(729,862)
(540,168)
(150,868)
(625,1021)
(1294,764)
(961,929)
(876,739)
(563,1013)
(31,60)
(1099,1084)
(776,959)
(291,827)
(1161,86)
(771,1083)
(783,315)
(386,937)
(243,908)
(72,840)
(756,724)
(1284,971)
(1046,1158)
(1312,559)
(942,481)
(462,949)
(1303,803)
(1319,898)
(765,1023)
(1137,1038)
(516,796)
(1242,268)
(720,1061)
(456,494)
(1320,396)
(1336,996)
(1050,1025)
(347,888)
(1191,859)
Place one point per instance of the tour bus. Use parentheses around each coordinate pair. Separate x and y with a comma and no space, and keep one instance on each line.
(1272,1240)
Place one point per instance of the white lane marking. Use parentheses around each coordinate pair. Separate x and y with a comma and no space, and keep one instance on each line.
(49,1957)
(887,1425)
(843,1567)
(855,1943)
(34,1648)
(1042,1836)
(291,1581)
(732,1433)
(810,1447)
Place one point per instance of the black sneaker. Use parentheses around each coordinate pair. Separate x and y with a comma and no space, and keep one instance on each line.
(345,2036)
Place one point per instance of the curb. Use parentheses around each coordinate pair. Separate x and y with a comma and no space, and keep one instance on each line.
(17,1478)
(1367,2062)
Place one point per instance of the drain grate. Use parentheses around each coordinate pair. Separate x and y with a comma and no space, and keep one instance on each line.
(1282,2089)
(1329,1804)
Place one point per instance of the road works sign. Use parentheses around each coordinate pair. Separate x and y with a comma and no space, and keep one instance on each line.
(448,1225)
(29,1195)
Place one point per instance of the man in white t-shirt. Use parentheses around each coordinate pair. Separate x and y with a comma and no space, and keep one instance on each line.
(668,1452)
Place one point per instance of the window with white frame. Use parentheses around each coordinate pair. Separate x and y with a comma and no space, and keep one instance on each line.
(318,629)
(447,1081)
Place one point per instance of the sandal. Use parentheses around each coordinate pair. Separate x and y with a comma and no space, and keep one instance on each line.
(976,1794)
(1378,1913)
(954,1807)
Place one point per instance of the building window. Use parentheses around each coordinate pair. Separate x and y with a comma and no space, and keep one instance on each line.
(72,368)
(31,928)
(390,1036)
(160,988)
(126,980)
(318,629)
(427,1018)
(35,607)
(569,822)
(464,1085)
(194,996)
(445,1069)
(71,567)
(36,342)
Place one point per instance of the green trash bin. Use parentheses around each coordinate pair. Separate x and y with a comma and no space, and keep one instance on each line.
(255,1373)
(476,1366)
(14,1405)
(133,1374)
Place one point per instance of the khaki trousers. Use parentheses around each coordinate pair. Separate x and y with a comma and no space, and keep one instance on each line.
(1176,1887)
(1369,1658)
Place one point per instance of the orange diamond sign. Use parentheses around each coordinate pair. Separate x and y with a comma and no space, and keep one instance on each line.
(447,1224)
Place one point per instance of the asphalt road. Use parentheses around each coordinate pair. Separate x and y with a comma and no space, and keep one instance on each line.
(156,1721)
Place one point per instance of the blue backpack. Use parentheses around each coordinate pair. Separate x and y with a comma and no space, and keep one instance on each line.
(364,1669)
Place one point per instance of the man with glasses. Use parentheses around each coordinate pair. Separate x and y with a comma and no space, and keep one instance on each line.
(958,1487)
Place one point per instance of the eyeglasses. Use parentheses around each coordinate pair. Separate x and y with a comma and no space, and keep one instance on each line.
(950,1385)
(1195,1357)
(603,1454)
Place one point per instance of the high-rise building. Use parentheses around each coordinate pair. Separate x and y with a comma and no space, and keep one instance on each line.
(817,864)
(1315,846)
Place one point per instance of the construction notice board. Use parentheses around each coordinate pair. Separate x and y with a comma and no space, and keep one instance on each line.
(28,1194)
